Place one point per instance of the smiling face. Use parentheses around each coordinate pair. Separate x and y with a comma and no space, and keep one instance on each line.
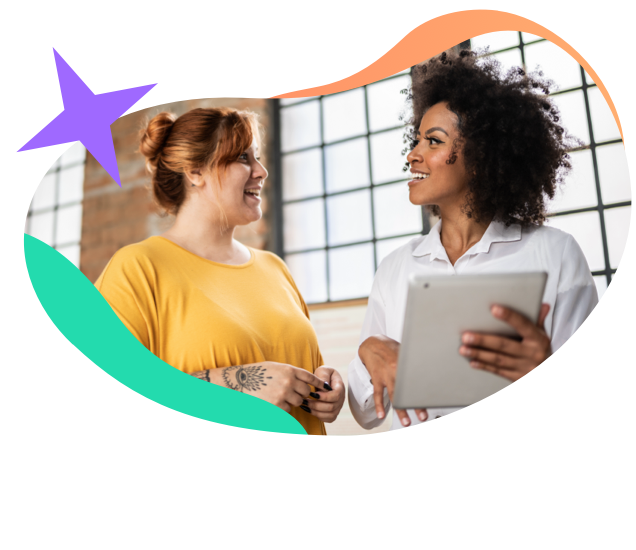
(238,194)
(435,182)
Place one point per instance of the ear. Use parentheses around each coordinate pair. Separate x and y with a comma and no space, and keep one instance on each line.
(195,178)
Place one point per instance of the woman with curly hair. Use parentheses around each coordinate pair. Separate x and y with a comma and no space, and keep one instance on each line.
(488,152)
(202,301)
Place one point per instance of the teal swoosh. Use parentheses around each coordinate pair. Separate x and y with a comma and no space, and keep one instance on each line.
(83,316)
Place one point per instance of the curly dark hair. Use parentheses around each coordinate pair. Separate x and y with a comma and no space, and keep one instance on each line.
(513,145)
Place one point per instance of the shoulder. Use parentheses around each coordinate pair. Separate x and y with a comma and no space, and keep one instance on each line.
(134,260)
(565,255)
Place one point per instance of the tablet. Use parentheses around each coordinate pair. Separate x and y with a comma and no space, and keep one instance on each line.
(431,372)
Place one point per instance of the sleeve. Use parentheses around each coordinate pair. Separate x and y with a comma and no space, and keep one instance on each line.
(360,388)
(576,294)
(125,286)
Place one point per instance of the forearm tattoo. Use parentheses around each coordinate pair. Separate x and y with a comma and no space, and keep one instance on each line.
(202,375)
(245,378)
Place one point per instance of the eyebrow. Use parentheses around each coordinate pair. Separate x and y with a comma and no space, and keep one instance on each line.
(436,128)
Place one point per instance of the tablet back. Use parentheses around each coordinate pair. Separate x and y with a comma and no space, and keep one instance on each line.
(431,372)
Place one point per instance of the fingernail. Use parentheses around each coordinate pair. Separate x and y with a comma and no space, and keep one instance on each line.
(305,402)
(380,414)
(328,387)
(464,351)
(314,395)
(497,310)
(422,416)
(405,422)
(474,364)
(468,338)
(306,409)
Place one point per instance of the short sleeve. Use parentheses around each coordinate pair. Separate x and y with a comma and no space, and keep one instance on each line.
(125,285)
(576,294)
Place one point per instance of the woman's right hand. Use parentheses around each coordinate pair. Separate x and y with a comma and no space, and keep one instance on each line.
(282,385)
(380,356)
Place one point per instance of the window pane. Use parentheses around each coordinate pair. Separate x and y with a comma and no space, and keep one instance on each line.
(344,115)
(603,124)
(71,184)
(555,63)
(309,270)
(511,58)
(75,155)
(302,175)
(601,285)
(586,229)
(72,253)
(304,225)
(45,193)
(612,170)
(527,37)
(68,226)
(617,226)
(41,227)
(347,165)
(386,103)
(496,40)
(387,160)
(349,217)
(579,190)
(573,113)
(588,79)
(351,271)
(384,248)
(394,213)
(292,100)
(300,126)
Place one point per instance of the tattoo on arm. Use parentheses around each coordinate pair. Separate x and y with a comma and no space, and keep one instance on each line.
(245,378)
(202,375)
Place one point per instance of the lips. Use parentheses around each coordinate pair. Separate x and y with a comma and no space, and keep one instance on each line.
(418,177)
(253,193)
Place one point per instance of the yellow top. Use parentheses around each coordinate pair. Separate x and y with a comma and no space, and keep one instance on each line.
(196,314)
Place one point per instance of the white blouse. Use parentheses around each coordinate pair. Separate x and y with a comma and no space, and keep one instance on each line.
(570,291)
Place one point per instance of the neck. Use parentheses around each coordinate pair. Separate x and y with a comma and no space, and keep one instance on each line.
(204,234)
(459,233)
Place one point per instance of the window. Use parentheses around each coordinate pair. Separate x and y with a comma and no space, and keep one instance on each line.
(55,214)
(595,204)
(344,196)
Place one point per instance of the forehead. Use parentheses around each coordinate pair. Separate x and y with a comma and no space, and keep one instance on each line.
(439,115)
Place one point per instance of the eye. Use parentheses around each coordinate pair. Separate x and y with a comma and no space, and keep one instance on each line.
(433,141)
(243,157)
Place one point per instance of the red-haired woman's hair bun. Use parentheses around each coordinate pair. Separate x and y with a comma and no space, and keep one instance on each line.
(155,136)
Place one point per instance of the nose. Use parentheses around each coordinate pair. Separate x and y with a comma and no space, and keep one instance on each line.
(259,172)
(415,155)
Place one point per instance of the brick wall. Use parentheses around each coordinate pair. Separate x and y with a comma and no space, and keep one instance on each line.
(114,217)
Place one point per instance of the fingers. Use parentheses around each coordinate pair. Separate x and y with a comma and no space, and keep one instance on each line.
(378,399)
(404,417)
(498,360)
(422,414)
(495,343)
(524,326)
(511,375)
(309,378)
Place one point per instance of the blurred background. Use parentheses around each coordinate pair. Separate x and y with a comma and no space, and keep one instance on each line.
(336,201)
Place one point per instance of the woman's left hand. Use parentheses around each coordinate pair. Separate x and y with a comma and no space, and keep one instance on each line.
(504,356)
(328,404)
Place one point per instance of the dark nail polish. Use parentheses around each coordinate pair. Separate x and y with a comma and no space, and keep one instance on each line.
(314,395)
(328,387)
(305,402)
(306,409)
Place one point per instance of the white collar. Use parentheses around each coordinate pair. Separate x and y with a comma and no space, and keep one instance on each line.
(497,232)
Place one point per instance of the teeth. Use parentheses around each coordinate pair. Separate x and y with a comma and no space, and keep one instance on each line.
(418,176)
(253,192)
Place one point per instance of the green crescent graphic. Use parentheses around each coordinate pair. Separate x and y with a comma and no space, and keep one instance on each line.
(83,316)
